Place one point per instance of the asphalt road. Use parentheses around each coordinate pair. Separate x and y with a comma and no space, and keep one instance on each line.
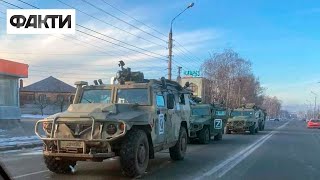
(285,150)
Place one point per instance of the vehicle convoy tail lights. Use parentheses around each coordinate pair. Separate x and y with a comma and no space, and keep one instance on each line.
(313,123)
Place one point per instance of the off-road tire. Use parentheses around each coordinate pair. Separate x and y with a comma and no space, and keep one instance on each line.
(228,131)
(204,135)
(252,129)
(260,127)
(218,137)
(256,130)
(134,145)
(178,151)
(59,166)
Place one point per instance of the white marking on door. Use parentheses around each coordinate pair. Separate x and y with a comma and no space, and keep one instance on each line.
(161,123)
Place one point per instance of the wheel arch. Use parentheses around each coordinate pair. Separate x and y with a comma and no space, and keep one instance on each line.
(147,129)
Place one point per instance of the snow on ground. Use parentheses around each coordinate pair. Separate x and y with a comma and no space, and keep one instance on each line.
(33,116)
(19,141)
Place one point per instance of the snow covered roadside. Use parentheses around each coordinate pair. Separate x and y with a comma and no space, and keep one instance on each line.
(19,142)
(33,116)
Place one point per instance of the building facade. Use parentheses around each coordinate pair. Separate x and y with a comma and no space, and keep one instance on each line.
(10,73)
(47,96)
(198,85)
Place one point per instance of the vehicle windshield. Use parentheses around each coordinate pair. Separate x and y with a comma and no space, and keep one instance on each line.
(242,113)
(315,120)
(200,111)
(96,96)
(221,113)
(133,96)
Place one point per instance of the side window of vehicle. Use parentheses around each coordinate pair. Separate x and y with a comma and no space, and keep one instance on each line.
(181,99)
(160,101)
(170,101)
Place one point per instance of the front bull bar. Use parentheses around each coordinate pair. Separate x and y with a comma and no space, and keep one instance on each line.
(54,127)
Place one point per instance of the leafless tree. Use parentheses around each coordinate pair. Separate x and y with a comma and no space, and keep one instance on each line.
(42,102)
(231,80)
(272,105)
(61,102)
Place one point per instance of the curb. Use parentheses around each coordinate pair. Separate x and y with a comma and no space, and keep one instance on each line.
(16,147)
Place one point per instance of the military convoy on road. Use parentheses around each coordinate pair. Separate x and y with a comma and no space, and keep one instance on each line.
(133,119)
(247,118)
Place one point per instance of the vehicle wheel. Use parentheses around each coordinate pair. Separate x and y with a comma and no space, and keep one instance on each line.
(252,129)
(178,151)
(134,153)
(218,137)
(59,166)
(256,130)
(228,131)
(204,135)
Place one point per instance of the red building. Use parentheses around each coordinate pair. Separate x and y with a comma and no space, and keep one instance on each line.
(10,73)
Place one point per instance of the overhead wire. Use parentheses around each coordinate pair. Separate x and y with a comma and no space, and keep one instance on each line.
(102,10)
(106,36)
(79,10)
(134,18)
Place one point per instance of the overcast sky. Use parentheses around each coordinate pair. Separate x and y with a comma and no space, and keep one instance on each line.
(281,38)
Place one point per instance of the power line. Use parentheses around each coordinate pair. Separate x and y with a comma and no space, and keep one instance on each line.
(119,45)
(28,4)
(122,20)
(4,4)
(78,10)
(119,40)
(11,4)
(104,35)
(134,18)
(187,50)
(53,54)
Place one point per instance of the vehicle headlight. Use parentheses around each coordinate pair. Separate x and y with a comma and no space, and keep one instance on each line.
(122,127)
(47,126)
(111,129)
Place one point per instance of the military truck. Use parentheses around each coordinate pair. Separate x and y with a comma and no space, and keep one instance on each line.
(132,119)
(246,118)
(207,121)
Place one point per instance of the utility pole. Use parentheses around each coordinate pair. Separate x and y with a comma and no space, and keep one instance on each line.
(170,43)
(170,54)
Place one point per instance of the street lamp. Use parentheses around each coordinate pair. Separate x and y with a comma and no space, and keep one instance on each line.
(170,41)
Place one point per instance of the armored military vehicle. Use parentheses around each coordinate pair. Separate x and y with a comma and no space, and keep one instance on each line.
(207,121)
(133,119)
(247,118)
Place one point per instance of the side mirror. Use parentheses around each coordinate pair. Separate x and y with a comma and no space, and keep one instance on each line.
(170,101)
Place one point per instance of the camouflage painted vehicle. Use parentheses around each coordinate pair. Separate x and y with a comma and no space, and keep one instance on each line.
(206,121)
(133,119)
(247,118)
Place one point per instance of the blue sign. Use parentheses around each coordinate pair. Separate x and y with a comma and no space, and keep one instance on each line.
(218,123)
(192,73)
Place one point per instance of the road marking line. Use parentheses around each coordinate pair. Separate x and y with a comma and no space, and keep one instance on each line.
(29,174)
(232,161)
